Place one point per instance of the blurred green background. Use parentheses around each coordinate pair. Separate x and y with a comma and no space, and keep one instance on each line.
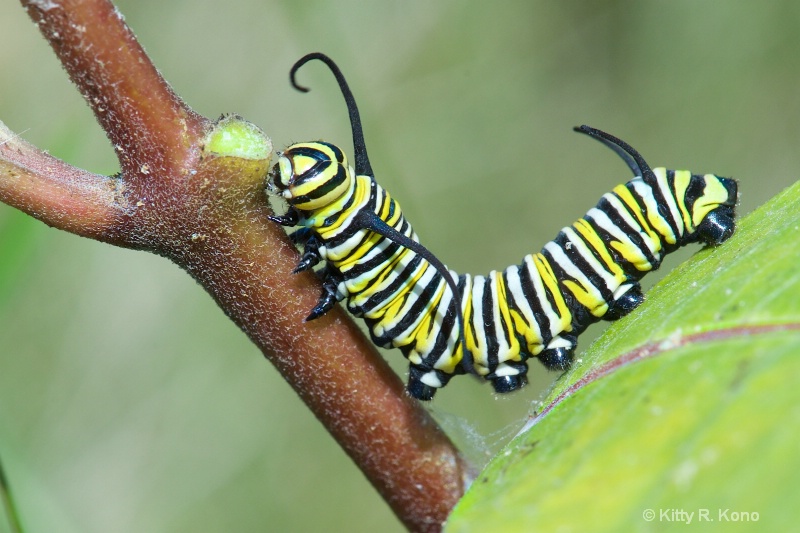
(128,402)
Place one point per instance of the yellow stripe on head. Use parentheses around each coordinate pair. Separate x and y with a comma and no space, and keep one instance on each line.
(313,175)
(714,194)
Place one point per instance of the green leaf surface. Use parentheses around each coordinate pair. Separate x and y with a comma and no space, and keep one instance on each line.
(685,414)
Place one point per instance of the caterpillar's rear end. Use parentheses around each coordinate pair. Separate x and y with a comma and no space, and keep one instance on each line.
(590,271)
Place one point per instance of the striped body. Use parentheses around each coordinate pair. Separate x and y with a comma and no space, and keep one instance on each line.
(554,295)
(537,308)
(402,297)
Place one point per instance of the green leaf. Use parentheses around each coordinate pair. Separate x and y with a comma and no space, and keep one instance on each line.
(686,410)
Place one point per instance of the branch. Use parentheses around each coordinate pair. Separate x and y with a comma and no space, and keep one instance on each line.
(56,193)
(192,190)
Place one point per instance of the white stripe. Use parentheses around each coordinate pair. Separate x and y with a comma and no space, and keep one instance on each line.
(598,267)
(379,311)
(622,210)
(646,193)
(431,379)
(541,293)
(503,348)
(478,286)
(514,285)
(600,218)
(663,185)
(572,270)
(421,285)
(360,297)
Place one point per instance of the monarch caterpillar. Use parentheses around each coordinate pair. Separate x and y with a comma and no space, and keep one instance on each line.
(447,324)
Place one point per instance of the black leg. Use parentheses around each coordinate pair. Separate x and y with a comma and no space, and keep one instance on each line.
(420,391)
(625,303)
(311,255)
(559,355)
(718,226)
(301,236)
(291,218)
(329,297)
(506,384)
(416,388)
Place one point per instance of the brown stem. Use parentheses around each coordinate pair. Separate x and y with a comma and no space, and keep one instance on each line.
(183,196)
(133,103)
(58,194)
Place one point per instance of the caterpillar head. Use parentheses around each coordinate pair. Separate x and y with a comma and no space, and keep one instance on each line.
(310,176)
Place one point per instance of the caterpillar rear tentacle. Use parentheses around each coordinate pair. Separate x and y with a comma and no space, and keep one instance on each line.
(491,325)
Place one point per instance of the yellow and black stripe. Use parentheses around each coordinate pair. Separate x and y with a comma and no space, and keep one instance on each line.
(446,324)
